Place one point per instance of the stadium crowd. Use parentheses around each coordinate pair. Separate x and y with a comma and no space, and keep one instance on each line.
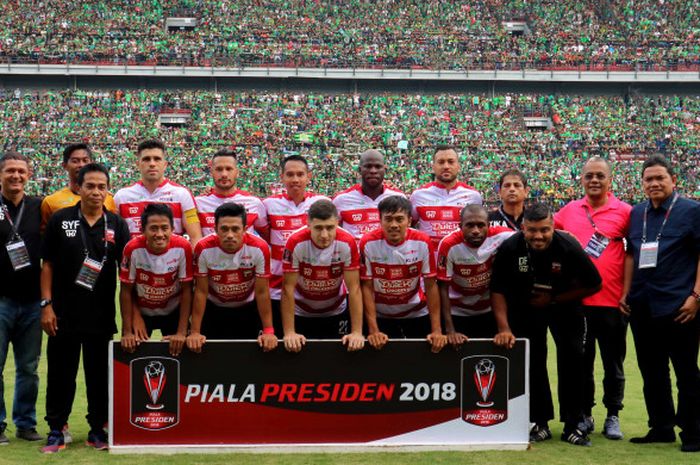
(332,129)
(434,34)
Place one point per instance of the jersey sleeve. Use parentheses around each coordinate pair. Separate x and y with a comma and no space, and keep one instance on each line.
(365,265)
(189,207)
(429,261)
(261,221)
(127,269)
(45,213)
(201,268)
(110,204)
(262,264)
(290,262)
(444,266)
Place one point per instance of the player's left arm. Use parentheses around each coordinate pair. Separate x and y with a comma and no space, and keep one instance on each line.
(267,340)
(355,340)
(436,339)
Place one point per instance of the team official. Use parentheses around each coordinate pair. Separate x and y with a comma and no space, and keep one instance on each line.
(538,279)
(321,270)
(156,277)
(393,259)
(20,223)
(599,221)
(513,191)
(82,247)
(232,278)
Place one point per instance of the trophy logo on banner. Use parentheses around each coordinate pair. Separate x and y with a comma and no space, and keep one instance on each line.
(155,392)
(485,389)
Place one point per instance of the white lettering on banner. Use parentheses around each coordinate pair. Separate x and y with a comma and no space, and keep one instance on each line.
(219,393)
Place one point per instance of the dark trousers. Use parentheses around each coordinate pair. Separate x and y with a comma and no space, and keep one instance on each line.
(231,323)
(608,327)
(569,331)
(277,318)
(167,324)
(328,327)
(63,357)
(657,341)
(476,326)
(405,328)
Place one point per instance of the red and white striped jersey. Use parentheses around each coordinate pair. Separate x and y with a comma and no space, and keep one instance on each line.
(256,216)
(132,200)
(358,213)
(285,217)
(157,277)
(320,289)
(468,270)
(437,209)
(232,275)
(395,272)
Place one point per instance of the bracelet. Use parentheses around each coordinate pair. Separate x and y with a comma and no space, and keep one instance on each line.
(268,330)
(695,295)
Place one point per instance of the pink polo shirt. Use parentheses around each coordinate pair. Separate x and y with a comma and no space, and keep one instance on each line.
(611,220)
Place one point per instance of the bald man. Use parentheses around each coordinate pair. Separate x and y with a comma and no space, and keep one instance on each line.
(357,205)
(600,221)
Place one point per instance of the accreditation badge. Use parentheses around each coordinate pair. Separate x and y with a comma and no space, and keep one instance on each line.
(596,245)
(88,274)
(19,255)
(648,255)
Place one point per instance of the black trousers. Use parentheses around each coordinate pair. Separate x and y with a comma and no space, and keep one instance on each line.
(330,327)
(63,357)
(477,326)
(167,324)
(657,341)
(608,327)
(405,328)
(231,323)
(277,318)
(568,328)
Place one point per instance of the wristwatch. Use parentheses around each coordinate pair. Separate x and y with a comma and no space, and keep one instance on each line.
(45,303)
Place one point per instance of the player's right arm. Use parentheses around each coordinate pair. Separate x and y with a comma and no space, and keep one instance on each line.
(195,340)
(293,342)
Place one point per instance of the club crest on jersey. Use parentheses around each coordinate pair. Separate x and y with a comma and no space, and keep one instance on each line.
(523,266)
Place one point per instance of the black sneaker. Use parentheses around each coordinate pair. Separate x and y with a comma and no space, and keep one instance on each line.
(4,440)
(28,434)
(97,439)
(656,435)
(576,437)
(540,433)
(54,443)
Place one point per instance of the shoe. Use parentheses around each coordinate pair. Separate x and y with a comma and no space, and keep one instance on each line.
(67,437)
(540,433)
(690,447)
(611,428)
(576,437)
(28,434)
(587,426)
(97,439)
(656,435)
(4,440)
(54,443)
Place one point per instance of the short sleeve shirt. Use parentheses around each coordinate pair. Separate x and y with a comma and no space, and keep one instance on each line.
(256,216)
(359,214)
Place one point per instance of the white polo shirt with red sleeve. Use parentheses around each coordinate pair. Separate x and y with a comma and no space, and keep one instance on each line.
(132,200)
(157,277)
(320,289)
(468,270)
(256,216)
(232,275)
(436,209)
(396,271)
(285,217)
(359,214)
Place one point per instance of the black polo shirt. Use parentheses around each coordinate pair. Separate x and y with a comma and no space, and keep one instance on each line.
(498,217)
(77,309)
(563,266)
(21,285)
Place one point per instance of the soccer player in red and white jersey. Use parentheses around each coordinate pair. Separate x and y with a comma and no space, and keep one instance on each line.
(155,275)
(155,188)
(286,213)
(358,205)
(224,172)
(231,296)
(464,275)
(394,258)
(321,268)
(436,206)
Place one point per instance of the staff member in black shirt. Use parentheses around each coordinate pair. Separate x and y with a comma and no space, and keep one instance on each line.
(538,280)
(20,218)
(82,249)
(513,191)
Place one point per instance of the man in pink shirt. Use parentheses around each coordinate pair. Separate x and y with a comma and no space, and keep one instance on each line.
(599,221)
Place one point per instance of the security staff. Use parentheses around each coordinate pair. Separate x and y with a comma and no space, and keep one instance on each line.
(82,247)
(20,218)
(662,296)
(538,280)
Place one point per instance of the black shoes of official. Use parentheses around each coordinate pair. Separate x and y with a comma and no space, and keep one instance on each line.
(540,433)
(576,437)
(655,435)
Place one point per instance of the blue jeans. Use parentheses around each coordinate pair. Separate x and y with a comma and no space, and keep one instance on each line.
(20,325)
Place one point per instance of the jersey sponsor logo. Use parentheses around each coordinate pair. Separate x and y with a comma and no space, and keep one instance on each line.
(280,223)
(430,214)
(133,210)
(380,270)
(70,227)
(308,271)
(523,266)
(357,217)
(556,267)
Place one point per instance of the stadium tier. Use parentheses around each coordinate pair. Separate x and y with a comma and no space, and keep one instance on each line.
(420,34)
(332,129)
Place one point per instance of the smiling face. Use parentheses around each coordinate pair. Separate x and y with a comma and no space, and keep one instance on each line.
(658,184)
(13,176)
(539,234)
(158,231)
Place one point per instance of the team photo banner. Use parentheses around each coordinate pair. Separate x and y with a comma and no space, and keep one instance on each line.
(234,395)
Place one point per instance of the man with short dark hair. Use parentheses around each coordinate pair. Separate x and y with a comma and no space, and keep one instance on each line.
(20,224)
(154,187)
(662,297)
(321,269)
(393,259)
(224,173)
(75,156)
(513,191)
(232,290)
(82,247)
(539,278)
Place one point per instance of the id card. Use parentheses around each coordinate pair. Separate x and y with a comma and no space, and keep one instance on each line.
(88,274)
(648,255)
(19,255)
(596,245)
